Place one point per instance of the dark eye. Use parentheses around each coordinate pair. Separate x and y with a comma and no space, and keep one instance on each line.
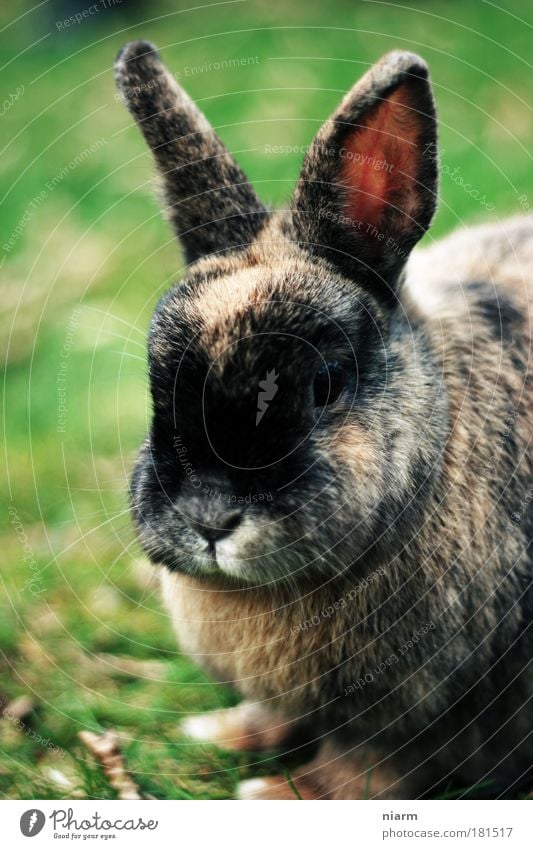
(330,380)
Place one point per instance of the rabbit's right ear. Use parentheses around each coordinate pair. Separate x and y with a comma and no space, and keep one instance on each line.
(368,187)
(212,206)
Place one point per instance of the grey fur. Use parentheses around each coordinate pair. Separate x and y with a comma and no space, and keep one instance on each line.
(211,203)
(404,507)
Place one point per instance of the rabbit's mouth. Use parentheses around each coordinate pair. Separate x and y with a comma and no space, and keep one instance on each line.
(225,555)
(259,553)
(220,557)
(235,556)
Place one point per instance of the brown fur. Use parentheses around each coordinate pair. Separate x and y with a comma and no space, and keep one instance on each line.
(383,598)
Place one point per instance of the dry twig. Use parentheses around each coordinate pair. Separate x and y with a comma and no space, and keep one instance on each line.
(105,748)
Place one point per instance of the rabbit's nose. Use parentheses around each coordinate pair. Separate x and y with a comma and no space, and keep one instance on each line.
(213,524)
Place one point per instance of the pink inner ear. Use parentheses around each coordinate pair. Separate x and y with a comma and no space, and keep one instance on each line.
(380,163)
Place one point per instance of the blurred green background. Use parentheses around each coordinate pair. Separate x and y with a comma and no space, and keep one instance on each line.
(85,255)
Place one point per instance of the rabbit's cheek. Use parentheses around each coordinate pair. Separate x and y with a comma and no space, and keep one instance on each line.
(355,451)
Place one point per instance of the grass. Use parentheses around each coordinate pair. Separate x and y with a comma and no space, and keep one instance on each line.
(79,284)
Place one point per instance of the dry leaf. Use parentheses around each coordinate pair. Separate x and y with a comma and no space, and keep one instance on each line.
(105,748)
(113,664)
(19,709)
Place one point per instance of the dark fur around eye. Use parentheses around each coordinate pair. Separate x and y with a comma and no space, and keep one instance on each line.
(329,382)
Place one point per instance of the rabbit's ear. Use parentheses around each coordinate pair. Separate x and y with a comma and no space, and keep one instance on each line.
(212,206)
(368,186)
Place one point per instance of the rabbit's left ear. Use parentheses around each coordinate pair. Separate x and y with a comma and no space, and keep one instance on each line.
(368,186)
(211,204)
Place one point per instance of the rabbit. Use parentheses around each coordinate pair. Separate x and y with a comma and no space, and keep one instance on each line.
(337,481)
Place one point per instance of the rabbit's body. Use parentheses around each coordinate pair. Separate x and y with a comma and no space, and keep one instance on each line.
(392,656)
(364,570)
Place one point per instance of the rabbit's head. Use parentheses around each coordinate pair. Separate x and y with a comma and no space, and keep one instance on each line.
(297,409)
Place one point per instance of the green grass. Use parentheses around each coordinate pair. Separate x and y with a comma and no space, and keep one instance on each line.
(87,270)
